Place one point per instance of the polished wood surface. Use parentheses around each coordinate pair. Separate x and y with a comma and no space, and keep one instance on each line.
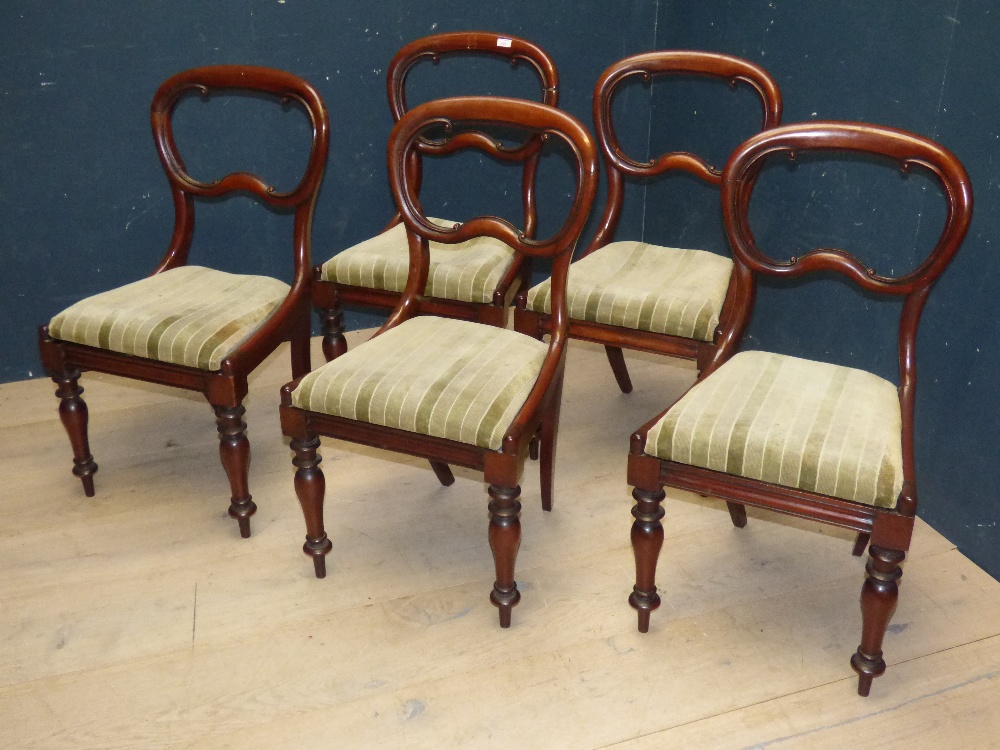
(888,530)
(123,626)
(619,166)
(225,388)
(329,297)
(465,122)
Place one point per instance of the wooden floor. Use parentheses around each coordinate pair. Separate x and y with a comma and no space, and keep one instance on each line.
(139,618)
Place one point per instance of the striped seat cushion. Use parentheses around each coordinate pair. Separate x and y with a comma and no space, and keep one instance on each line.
(645,287)
(189,316)
(435,376)
(792,422)
(469,271)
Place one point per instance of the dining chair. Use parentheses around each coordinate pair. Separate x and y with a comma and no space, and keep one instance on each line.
(190,326)
(639,295)
(810,439)
(447,390)
(474,282)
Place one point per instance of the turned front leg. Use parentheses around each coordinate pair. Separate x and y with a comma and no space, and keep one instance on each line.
(332,324)
(310,488)
(234,450)
(878,602)
(647,539)
(74,416)
(505,539)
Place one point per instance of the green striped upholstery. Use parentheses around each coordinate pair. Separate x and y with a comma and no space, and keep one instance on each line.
(792,422)
(189,316)
(469,271)
(645,287)
(435,376)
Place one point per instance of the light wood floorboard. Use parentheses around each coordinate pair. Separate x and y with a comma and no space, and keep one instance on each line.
(139,619)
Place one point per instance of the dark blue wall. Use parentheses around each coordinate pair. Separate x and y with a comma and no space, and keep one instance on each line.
(926,66)
(85,207)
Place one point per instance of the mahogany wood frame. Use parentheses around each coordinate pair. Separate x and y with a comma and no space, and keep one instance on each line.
(540,412)
(330,296)
(888,530)
(619,166)
(225,388)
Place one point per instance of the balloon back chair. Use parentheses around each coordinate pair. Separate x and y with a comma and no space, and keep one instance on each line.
(477,282)
(810,439)
(189,326)
(637,295)
(451,391)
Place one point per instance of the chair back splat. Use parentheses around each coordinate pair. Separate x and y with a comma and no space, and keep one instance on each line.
(193,327)
(350,277)
(636,295)
(452,391)
(810,439)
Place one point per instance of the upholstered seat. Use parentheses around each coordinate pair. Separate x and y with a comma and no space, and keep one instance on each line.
(468,272)
(792,422)
(645,287)
(447,378)
(190,316)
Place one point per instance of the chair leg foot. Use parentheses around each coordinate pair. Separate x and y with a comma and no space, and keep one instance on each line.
(505,539)
(647,539)
(443,472)
(860,544)
(310,488)
(74,416)
(878,602)
(617,361)
(234,450)
(738,514)
(317,549)
(332,325)
(865,684)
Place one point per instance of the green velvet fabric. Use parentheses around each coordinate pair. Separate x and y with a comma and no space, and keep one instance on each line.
(434,376)
(469,271)
(189,316)
(792,422)
(645,287)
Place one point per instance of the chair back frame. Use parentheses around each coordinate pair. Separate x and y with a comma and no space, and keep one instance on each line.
(458,43)
(619,165)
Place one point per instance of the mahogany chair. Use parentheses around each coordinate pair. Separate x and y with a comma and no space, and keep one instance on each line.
(810,439)
(188,326)
(477,282)
(451,391)
(637,295)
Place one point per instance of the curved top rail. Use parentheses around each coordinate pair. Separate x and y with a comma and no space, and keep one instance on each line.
(285,86)
(907,149)
(449,115)
(676,62)
(435,46)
